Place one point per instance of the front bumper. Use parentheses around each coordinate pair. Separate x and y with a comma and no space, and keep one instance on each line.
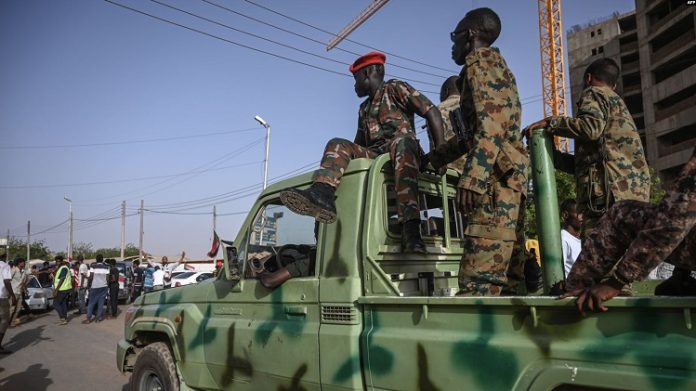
(123,349)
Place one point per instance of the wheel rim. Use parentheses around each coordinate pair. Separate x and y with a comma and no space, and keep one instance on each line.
(150,381)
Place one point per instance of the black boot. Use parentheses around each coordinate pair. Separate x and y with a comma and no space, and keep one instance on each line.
(317,201)
(411,240)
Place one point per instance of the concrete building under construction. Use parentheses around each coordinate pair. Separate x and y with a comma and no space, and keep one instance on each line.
(655,46)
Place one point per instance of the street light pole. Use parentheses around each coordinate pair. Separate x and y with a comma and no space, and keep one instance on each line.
(70,228)
(268,142)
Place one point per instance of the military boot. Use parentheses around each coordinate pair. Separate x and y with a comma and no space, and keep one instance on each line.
(317,201)
(411,240)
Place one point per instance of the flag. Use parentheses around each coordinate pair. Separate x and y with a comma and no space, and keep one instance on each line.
(215,247)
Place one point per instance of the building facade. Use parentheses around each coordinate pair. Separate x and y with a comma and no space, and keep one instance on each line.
(655,46)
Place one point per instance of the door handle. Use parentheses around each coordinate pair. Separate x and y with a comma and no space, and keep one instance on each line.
(299,310)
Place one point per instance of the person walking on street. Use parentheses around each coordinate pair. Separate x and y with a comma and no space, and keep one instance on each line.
(7,296)
(19,286)
(138,280)
(62,288)
(149,277)
(113,289)
(97,285)
(82,277)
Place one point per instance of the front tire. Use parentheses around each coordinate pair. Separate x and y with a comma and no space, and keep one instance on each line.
(155,370)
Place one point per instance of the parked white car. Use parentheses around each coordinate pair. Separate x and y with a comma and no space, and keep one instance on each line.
(187,278)
(40,297)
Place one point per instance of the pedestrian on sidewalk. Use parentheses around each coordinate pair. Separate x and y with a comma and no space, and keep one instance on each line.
(113,289)
(62,288)
(6,296)
(97,285)
(19,286)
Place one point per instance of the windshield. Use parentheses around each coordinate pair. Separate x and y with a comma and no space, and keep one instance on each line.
(184,275)
(33,283)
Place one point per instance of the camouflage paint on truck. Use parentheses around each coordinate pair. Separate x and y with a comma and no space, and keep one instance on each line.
(372,318)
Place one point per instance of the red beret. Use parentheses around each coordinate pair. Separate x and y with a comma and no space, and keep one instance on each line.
(368,59)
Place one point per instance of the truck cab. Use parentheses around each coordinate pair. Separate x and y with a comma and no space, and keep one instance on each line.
(368,317)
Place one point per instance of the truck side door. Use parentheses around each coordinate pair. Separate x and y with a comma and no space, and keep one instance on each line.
(258,338)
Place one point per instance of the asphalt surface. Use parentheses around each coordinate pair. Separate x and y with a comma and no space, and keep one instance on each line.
(47,356)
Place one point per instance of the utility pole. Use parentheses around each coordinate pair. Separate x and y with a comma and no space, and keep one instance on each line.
(268,143)
(214,218)
(7,252)
(142,204)
(28,240)
(123,229)
(70,228)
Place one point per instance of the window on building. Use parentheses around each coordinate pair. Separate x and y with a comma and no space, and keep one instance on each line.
(592,33)
(279,237)
(599,31)
(594,52)
(600,49)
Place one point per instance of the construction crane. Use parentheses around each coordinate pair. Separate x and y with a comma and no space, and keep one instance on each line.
(355,23)
(553,77)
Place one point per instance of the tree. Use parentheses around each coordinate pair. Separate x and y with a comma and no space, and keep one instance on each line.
(37,248)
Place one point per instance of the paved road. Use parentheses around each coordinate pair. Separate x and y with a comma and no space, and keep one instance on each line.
(74,357)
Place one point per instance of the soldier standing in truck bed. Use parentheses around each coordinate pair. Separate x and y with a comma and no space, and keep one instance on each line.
(385,124)
(493,183)
(632,238)
(609,163)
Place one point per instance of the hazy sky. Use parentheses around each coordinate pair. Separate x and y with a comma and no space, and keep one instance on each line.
(102,104)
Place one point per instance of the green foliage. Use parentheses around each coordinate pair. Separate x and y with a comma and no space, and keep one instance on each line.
(565,186)
(657,192)
(113,252)
(37,248)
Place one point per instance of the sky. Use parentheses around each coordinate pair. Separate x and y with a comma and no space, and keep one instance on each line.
(103,104)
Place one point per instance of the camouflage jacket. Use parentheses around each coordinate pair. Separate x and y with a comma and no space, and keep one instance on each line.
(608,151)
(390,112)
(446,107)
(491,108)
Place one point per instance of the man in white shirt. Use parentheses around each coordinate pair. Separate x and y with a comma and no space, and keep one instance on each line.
(82,278)
(570,234)
(19,286)
(97,285)
(158,279)
(6,296)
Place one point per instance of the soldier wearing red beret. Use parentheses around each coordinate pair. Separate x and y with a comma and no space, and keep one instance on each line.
(385,125)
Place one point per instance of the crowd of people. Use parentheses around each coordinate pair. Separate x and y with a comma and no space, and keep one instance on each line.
(93,290)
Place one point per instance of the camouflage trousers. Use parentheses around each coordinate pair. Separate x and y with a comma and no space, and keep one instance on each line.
(633,237)
(404,152)
(494,248)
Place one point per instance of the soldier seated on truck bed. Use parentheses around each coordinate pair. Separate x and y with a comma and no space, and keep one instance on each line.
(639,236)
(385,124)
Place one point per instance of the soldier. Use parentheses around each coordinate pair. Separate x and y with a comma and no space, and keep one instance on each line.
(609,163)
(493,183)
(385,124)
(631,239)
(449,102)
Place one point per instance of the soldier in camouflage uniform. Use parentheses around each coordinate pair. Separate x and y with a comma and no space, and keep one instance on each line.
(632,238)
(385,125)
(609,163)
(493,183)
(449,101)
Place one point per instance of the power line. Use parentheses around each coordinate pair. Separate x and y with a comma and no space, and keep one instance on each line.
(278,43)
(128,180)
(346,39)
(125,142)
(225,39)
(312,39)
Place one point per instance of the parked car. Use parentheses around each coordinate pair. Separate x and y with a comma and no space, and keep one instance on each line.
(39,297)
(125,280)
(186,278)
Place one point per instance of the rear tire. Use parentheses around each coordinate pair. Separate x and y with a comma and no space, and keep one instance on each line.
(154,369)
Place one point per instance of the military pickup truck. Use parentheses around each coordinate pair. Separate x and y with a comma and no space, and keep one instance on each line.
(367,317)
